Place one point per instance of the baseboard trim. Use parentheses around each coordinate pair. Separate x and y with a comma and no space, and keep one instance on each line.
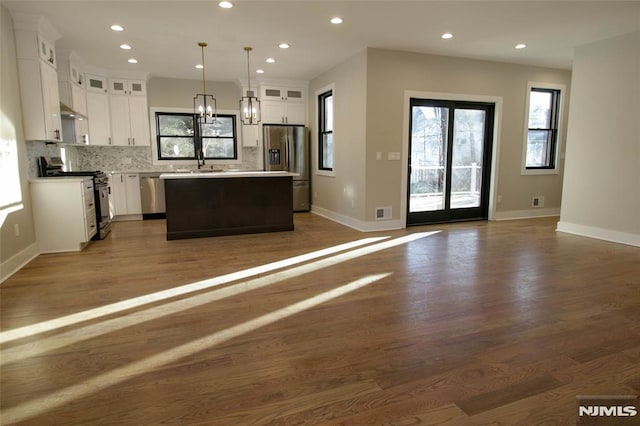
(126,217)
(526,214)
(599,233)
(358,225)
(18,261)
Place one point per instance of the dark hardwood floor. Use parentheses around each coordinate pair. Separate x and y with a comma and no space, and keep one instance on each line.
(499,323)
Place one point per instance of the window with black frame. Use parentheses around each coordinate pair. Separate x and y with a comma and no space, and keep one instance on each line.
(542,129)
(218,139)
(325,127)
(180,138)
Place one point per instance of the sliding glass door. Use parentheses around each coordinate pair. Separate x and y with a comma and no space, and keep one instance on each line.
(449,161)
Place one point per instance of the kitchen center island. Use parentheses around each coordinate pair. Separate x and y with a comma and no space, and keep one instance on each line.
(207,204)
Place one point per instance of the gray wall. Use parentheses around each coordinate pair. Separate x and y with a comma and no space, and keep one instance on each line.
(379,78)
(14,250)
(172,92)
(391,73)
(602,176)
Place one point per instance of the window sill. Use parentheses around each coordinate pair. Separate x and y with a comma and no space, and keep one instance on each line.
(536,172)
(328,173)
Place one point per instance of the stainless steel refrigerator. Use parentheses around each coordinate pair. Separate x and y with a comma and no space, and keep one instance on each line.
(286,148)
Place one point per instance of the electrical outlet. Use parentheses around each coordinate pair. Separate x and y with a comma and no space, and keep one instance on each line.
(16,229)
(499,199)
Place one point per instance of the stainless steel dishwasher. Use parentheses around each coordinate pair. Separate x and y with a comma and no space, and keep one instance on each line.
(152,196)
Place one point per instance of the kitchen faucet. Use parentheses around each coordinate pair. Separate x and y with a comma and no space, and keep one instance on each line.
(199,157)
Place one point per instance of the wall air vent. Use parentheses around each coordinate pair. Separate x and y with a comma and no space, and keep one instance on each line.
(383,213)
(537,201)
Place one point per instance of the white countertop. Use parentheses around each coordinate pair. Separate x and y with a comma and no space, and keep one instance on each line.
(239,174)
(60,178)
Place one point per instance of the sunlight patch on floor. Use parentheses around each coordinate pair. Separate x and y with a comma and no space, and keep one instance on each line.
(91,314)
(113,377)
(70,337)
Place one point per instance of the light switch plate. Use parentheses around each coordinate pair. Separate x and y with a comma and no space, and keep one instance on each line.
(394,156)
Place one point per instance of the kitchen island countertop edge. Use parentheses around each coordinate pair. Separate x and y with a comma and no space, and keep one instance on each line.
(238,174)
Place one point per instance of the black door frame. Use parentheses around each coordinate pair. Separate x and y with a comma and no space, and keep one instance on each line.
(457,214)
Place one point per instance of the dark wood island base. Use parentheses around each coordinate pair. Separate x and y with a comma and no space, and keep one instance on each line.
(215,204)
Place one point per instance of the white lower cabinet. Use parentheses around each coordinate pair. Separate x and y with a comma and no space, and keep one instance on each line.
(64,213)
(124,200)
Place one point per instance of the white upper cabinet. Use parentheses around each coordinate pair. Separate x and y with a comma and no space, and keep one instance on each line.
(119,86)
(71,82)
(129,112)
(96,83)
(98,110)
(38,78)
(51,102)
(283,105)
(75,74)
(47,51)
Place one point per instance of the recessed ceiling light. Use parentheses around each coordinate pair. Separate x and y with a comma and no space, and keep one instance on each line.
(199,66)
(447,36)
(125,47)
(133,61)
(521,46)
(225,4)
(270,60)
(284,46)
(337,20)
(116,27)
(260,71)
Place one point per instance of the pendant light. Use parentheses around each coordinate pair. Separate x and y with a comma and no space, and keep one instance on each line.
(249,105)
(204,105)
(204,108)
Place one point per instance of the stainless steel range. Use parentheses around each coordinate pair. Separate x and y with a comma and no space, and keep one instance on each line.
(52,167)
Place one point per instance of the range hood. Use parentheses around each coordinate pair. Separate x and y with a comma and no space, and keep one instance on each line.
(67,111)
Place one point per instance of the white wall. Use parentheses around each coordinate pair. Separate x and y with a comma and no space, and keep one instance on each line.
(342,196)
(601,195)
(15,250)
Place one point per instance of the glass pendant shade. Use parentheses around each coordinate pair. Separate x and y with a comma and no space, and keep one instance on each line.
(249,105)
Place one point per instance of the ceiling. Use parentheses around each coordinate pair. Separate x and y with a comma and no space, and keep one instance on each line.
(164,34)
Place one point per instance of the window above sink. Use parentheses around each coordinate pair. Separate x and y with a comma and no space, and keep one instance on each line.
(177,137)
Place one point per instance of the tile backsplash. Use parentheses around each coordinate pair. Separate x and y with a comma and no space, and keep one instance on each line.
(120,158)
